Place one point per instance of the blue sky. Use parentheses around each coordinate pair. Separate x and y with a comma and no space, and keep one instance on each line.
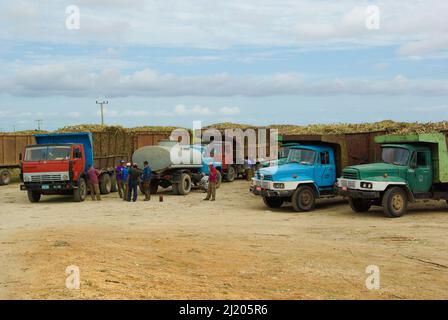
(259,62)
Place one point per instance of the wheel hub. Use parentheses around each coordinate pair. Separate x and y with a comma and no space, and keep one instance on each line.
(397,202)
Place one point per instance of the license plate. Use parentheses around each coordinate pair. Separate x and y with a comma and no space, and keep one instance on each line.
(45,187)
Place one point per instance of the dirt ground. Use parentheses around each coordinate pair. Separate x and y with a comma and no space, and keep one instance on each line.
(235,248)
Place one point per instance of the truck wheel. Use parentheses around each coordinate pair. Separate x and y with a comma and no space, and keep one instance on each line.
(230,175)
(359,205)
(272,202)
(184,186)
(153,187)
(395,202)
(105,184)
(304,199)
(33,196)
(113,183)
(5,177)
(218,184)
(80,193)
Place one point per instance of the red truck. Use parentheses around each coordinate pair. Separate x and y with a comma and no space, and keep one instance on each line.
(57,165)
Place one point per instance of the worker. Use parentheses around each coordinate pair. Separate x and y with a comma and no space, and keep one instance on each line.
(93,183)
(212,181)
(133,181)
(124,176)
(146,177)
(119,176)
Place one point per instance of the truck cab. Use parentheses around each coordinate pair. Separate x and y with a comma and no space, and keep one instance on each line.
(409,169)
(309,173)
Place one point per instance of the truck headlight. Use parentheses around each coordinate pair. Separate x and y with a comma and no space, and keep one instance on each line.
(65,177)
(366,185)
(279,185)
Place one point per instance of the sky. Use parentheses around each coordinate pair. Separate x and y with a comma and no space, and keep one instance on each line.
(256,61)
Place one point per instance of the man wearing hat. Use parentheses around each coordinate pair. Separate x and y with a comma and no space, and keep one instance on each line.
(212,181)
(119,176)
(124,176)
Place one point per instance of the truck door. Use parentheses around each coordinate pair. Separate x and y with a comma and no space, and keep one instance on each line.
(78,161)
(326,175)
(420,172)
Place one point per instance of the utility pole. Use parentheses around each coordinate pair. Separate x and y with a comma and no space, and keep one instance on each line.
(39,123)
(102,110)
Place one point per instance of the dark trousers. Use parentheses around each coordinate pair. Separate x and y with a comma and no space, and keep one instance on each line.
(132,191)
(147,190)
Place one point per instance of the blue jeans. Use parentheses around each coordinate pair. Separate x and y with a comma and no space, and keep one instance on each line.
(132,191)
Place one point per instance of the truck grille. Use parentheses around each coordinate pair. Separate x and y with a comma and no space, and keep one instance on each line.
(46,178)
(350,174)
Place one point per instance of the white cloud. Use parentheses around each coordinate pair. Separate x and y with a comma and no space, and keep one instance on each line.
(229,111)
(67,80)
(218,24)
(182,110)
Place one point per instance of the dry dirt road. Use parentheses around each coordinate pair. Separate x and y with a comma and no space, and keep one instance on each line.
(234,248)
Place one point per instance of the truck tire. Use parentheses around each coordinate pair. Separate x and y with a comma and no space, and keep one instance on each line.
(395,202)
(304,199)
(153,187)
(34,196)
(105,184)
(359,205)
(273,202)
(80,193)
(184,186)
(113,183)
(230,175)
(5,177)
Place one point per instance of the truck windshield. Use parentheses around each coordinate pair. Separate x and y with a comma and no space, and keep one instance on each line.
(397,156)
(302,156)
(46,153)
(283,152)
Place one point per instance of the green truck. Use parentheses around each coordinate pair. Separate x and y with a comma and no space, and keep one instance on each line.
(413,167)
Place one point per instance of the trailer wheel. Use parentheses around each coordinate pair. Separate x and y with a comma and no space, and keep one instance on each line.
(395,202)
(359,205)
(5,177)
(34,196)
(304,199)
(105,184)
(80,193)
(230,175)
(113,183)
(184,186)
(273,202)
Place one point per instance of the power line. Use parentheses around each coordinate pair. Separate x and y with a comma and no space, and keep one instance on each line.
(102,111)
(39,123)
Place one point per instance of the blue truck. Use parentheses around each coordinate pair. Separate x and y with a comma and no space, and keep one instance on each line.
(311,170)
(58,163)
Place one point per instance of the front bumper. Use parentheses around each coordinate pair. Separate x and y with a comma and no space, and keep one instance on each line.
(260,191)
(52,187)
(358,194)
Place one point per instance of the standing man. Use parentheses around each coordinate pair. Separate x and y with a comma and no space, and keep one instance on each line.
(147,181)
(124,177)
(94,185)
(133,180)
(212,181)
(119,175)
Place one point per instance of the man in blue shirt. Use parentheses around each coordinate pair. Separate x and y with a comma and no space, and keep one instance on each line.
(146,177)
(124,177)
